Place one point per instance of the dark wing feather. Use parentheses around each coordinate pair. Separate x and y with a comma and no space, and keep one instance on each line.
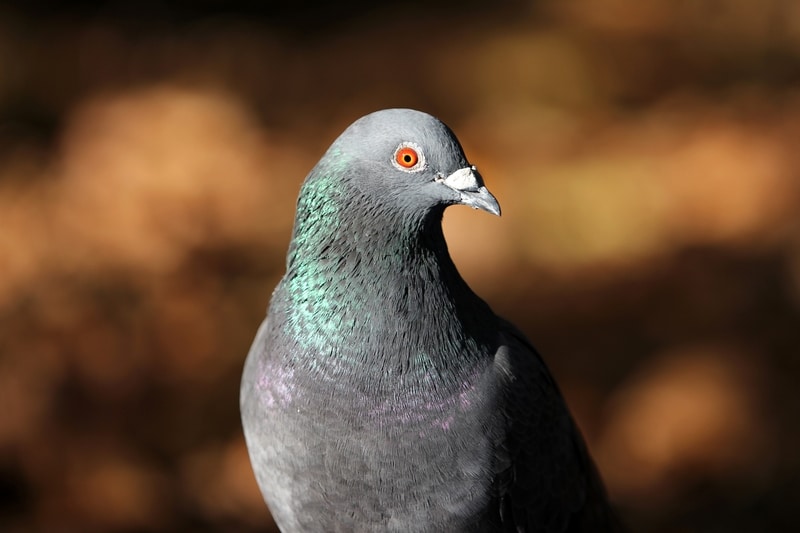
(547,481)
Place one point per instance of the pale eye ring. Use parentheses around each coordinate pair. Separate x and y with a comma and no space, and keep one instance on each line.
(409,157)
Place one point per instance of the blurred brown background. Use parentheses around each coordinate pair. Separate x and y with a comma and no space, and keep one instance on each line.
(645,155)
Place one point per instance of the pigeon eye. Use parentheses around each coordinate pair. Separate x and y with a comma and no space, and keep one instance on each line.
(409,157)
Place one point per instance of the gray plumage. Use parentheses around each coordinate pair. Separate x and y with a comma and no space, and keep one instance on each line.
(382,394)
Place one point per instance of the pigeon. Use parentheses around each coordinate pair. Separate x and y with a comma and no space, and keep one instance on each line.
(380,392)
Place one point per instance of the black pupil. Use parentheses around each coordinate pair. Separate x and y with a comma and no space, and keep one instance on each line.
(407,158)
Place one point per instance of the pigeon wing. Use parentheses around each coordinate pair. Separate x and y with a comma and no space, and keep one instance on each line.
(546,480)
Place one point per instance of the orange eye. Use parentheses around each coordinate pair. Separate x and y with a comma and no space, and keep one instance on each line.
(406,157)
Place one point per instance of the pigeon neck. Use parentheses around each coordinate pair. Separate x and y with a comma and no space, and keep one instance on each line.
(354,283)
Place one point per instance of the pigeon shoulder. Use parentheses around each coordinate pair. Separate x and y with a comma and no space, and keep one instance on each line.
(546,479)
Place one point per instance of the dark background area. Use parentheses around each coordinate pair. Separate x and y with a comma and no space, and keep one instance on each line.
(645,155)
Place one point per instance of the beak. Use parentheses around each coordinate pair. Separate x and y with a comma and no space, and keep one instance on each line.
(469,184)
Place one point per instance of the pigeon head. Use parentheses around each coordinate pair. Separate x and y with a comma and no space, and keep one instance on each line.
(410,162)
